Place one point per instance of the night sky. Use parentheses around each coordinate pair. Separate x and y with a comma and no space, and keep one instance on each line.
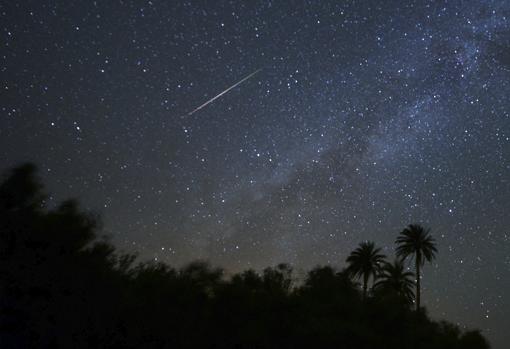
(365,116)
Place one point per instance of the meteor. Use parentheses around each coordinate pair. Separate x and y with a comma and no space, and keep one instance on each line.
(222,93)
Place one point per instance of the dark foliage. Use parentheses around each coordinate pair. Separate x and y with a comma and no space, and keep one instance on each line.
(364,262)
(416,241)
(394,280)
(61,287)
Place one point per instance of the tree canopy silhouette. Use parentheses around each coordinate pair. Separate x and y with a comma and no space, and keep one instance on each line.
(394,280)
(416,241)
(364,262)
(61,286)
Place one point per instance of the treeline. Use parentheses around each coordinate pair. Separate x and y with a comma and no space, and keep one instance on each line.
(62,287)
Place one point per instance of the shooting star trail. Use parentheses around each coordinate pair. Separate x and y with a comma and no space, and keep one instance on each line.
(221,94)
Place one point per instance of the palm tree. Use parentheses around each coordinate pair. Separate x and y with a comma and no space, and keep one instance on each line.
(395,279)
(365,261)
(416,241)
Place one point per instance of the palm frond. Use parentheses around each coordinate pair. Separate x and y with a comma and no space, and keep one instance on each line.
(416,239)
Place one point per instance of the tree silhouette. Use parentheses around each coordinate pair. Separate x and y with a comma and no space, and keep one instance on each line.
(278,280)
(473,339)
(416,241)
(394,279)
(62,287)
(364,262)
(21,189)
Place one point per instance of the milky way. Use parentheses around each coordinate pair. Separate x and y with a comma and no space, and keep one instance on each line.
(366,116)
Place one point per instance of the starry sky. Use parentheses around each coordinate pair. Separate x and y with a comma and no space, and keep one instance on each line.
(365,116)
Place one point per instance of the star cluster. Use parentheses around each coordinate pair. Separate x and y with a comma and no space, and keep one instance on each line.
(366,116)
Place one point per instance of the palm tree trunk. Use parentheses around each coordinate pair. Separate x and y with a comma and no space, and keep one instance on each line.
(365,285)
(418,262)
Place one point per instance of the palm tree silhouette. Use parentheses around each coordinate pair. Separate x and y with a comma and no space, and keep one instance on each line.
(416,241)
(395,279)
(365,261)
